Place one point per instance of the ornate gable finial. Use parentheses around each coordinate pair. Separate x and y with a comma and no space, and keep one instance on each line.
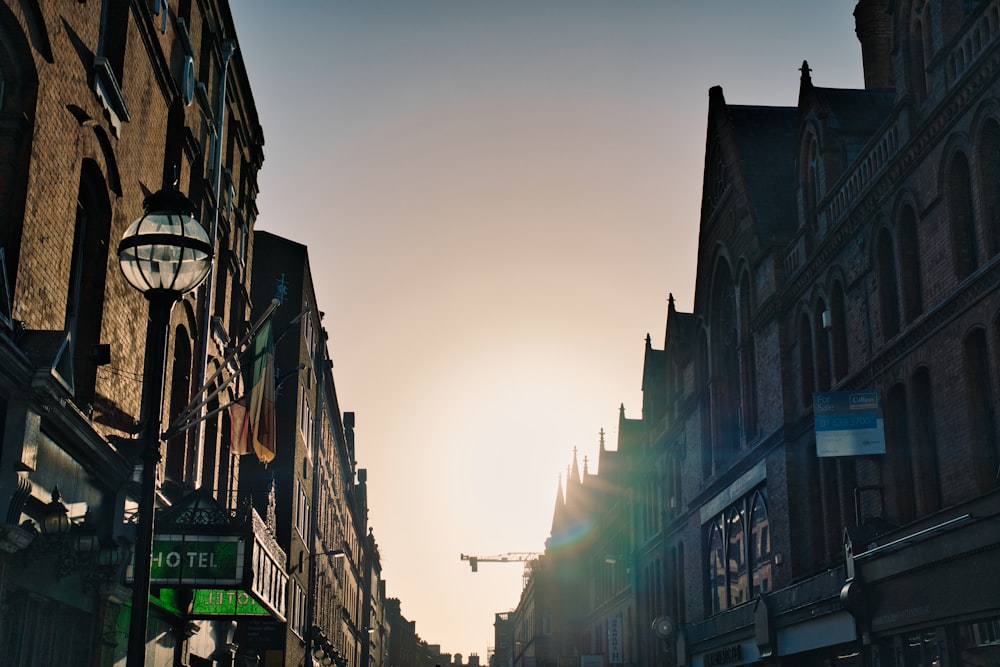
(806,79)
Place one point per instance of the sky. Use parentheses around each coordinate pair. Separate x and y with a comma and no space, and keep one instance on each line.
(498,196)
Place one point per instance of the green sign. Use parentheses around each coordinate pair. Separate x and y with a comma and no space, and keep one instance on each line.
(221,602)
(215,560)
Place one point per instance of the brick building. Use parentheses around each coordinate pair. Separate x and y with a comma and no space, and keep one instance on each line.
(102,104)
(848,251)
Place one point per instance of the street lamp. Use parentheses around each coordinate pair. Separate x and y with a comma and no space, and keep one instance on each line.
(164,254)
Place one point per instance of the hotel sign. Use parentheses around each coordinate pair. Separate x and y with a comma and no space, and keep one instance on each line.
(849,423)
(190,560)
(209,602)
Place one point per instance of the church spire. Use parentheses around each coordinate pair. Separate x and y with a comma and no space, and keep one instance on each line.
(557,512)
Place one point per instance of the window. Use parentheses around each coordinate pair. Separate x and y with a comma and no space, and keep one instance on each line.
(989,160)
(963,224)
(87,279)
(240,233)
(717,568)
(17,116)
(739,553)
(838,325)
(806,370)
(307,329)
(748,372)
(725,382)
(928,485)
(918,59)
(760,546)
(822,338)
(305,420)
(297,609)
(982,413)
(909,265)
(888,286)
(736,556)
(702,371)
(301,510)
(109,62)
(899,458)
(811,186)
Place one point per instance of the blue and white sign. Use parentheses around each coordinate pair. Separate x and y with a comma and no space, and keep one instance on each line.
(849,423)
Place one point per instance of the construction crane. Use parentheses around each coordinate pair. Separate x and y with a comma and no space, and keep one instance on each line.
(526,557)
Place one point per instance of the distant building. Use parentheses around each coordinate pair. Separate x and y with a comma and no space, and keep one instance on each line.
(317,495)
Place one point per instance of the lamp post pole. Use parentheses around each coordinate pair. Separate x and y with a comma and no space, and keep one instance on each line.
(163,254)
(160,305)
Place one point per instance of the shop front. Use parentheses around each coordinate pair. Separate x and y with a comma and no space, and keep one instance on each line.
(930,595)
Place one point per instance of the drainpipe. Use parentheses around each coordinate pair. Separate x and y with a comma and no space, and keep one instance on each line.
(228,48)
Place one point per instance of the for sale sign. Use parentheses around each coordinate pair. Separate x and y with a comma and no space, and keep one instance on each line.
(849,423)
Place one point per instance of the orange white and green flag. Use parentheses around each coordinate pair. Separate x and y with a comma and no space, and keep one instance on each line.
(252,416)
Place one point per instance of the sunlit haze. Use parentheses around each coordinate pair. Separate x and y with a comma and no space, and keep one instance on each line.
(498,197)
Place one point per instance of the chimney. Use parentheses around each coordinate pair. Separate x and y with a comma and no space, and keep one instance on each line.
(873,26)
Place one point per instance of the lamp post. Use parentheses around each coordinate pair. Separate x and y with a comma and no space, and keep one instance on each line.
(163,254)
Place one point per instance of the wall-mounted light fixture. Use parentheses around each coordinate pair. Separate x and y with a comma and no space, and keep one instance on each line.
(336,553)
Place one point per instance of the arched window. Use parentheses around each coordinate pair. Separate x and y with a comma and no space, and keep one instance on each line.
(899,458)
(982,413)
(806,370)
(811,193)
(88,271)
(888,288)
(925,452)
(822,348)
(989,176)
(702,371)
(963,224)
(909,265)
(918,66)
(736,556)
(18,87)
(760,546)
(838,321)
(717,569)
(748,373)
(725,382)
(739,552)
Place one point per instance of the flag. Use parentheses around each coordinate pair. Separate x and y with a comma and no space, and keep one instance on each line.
(258,377)
(239,424)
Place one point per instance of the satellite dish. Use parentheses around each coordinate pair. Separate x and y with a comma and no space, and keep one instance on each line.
(663,626)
